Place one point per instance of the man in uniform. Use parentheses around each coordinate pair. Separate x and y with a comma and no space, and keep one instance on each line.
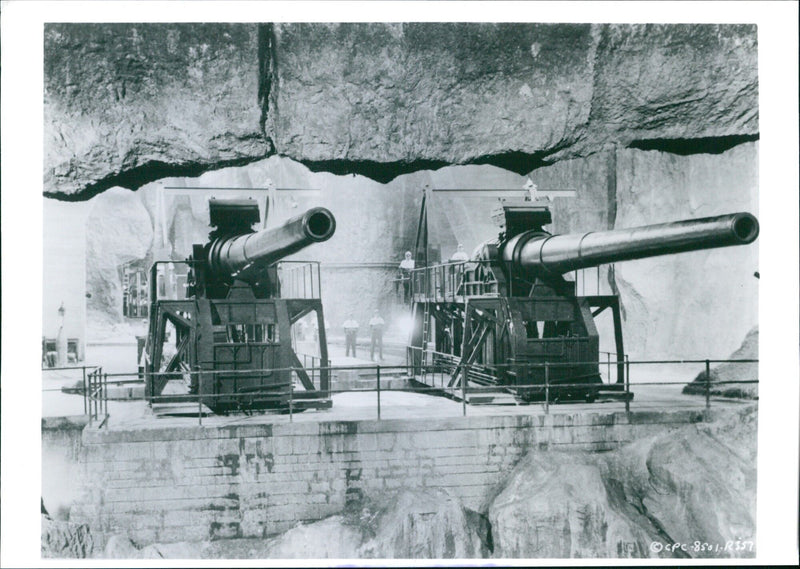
(406,266)
(376,325)
(350,332)
(460,255)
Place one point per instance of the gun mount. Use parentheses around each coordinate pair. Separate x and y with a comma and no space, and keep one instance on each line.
(509,310)
(233,341)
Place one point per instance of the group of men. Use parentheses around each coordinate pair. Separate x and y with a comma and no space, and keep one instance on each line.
(377,323)
(376,326)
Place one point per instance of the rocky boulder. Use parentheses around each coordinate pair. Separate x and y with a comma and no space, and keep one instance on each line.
(557,505)
(411,524)
(62,539)
(732,372)
(694,485)
(425,524)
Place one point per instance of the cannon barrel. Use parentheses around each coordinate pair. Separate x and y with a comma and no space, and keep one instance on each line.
(240,255)
(536,253)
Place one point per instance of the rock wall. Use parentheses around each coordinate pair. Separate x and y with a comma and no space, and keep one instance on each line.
(691,305)
(118,230)
(124,99)
(130,103)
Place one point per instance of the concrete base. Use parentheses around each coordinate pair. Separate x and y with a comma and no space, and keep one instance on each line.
(169,480)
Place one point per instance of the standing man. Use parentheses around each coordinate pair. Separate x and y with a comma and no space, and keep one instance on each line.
(406,266)
(460,255)
(350,332)
(376,325)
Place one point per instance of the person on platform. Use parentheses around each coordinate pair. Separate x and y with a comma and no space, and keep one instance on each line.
(350,333)
(406,266)
(376,325)
(447,341)
(460,255)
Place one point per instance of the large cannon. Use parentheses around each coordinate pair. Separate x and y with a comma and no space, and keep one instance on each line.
(229,338)
(512,320)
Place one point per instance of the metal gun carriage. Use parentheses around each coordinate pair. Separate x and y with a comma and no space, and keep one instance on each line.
(511,319)
(233,341)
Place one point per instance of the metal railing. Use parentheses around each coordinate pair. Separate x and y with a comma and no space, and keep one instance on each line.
(548,393)
(90,382)
(95,395)
(300,279)
(448,282)
(313,365)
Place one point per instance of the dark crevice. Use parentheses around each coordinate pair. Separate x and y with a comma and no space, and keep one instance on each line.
(521,163)
(482,526)
(687,146)
(267,77)
(383,172)
(152,171)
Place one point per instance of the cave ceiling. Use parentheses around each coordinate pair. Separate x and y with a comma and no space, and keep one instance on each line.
(127,104)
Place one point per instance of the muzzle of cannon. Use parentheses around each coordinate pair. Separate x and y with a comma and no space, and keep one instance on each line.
(236,253)
(536,253)
(240,255)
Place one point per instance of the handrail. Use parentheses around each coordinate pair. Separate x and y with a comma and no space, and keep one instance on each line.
(96,383)
(384,367)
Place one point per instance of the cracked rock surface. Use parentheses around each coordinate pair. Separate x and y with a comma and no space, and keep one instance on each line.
(122,101)
(126,104)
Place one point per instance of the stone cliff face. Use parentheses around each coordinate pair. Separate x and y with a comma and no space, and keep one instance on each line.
(127,102)
(130,103)
(119,230)
(396,97)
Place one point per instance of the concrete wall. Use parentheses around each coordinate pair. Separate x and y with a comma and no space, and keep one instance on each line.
(195,483)
(61,458)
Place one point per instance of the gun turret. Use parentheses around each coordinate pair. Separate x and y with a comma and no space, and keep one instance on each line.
(528,253)
(236,253)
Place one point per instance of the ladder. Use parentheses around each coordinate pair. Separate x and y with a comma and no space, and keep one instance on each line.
(426,310)
(426,316)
